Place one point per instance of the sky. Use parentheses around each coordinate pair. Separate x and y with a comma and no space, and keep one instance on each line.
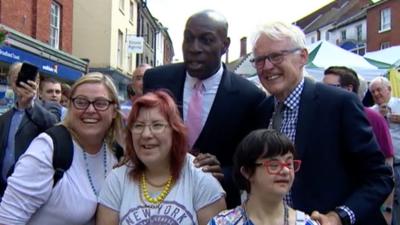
(243,16)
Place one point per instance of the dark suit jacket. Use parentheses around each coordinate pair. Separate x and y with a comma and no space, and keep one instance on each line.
(341,161)
(36,120)
(239,107)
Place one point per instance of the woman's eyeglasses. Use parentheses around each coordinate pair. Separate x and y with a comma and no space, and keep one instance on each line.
(275,166)
(155,128)
(99,104)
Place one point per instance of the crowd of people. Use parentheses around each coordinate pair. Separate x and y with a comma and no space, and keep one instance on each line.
(203,145)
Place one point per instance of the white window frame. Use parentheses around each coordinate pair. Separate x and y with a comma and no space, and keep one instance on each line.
(385,44)
(55,17)
(385,23)
(120,49)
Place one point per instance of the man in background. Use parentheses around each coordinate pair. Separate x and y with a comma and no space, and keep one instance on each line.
(50,91)
(389,107)
(135,88)
(347,79)
(22,123)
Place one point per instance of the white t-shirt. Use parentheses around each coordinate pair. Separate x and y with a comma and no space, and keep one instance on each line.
(31,199)
(394,128)
(193,191)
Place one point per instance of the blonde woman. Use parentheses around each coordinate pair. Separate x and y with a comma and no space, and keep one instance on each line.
(93,121)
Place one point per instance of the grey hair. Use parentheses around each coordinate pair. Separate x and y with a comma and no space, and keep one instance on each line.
(383,80)
(279,31)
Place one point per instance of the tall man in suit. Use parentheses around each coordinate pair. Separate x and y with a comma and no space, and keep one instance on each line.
(343,176)
(230,106)
(22,123)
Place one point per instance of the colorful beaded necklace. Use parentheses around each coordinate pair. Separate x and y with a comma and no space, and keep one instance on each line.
(160,198)
(88,171)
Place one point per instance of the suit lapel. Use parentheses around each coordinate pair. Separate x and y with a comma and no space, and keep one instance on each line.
(306,116)
(177,87)
(225,94)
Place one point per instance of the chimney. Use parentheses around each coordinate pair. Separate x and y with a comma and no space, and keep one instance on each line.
(243,46)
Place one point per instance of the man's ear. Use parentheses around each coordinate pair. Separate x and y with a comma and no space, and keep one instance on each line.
(227,42)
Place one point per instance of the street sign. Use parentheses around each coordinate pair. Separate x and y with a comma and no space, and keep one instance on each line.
(135,44)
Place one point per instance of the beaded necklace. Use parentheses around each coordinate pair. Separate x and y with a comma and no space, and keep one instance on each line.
(88,171)
(160,198)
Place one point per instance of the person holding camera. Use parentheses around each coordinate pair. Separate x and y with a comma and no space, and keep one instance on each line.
(22,123)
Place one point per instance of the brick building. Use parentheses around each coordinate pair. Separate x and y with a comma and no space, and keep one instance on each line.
(383,25)
(40,32)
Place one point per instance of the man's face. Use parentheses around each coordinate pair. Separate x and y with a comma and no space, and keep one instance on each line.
(334,80)
(51,92)
(281,78)
(203,45)
(380,92)
(137,79)
(331,79)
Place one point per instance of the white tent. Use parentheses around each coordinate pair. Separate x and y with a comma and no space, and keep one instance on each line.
(387,56)
(323,54)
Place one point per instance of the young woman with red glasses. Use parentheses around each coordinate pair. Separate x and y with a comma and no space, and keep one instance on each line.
(264,166)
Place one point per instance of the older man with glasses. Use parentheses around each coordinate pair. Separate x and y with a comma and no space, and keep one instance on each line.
(343,179)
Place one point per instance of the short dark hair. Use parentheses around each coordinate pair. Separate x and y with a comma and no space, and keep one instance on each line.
(47,80)
(347,76)
(262,143)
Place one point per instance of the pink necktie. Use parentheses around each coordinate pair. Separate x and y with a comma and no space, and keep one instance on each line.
(193,121)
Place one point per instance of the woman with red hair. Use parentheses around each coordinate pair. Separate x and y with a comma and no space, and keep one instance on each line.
(159,183)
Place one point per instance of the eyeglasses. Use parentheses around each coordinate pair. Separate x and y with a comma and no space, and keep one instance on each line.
(275,166)
(274,58)
(155,128)
(99,104)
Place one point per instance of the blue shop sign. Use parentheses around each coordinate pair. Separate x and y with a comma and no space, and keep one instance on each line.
(10,55)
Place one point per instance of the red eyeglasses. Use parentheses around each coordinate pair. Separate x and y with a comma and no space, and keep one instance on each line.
(275,166)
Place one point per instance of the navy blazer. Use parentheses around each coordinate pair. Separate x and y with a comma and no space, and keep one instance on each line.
(341,161)
(238,108)
(36,120)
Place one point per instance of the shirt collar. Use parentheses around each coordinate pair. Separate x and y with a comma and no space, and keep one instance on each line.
(208,82)
(293,100)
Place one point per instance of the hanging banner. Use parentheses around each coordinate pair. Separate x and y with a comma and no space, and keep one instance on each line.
(135,44)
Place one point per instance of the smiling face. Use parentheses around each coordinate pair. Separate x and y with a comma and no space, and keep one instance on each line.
(380,92)
(276,184)
(280,79)
(91,123)
(152,145)
(204,43)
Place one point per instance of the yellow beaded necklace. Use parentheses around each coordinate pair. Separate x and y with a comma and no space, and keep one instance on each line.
(160,198)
